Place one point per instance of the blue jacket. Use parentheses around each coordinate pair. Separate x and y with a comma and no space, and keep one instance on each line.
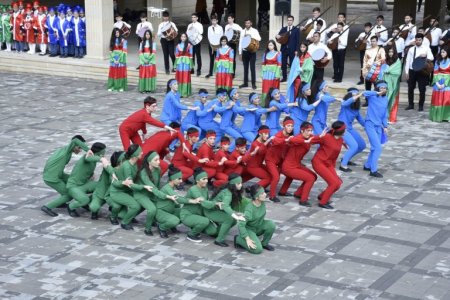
(301,113)
(252,119)
(377,109)
(192,116)
(321,111)
(348,115)
(206,117)
(226,114)
(172,107)
(63,29)
(81,29)
(51,26)
(273,118)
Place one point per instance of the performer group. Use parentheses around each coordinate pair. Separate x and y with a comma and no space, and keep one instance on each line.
(273,138)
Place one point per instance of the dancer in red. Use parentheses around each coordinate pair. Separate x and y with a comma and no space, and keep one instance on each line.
(292,167)
(276,151)
(129,128)
(242,156)
(324,161)
(230,165)
(210,166)
(255,166)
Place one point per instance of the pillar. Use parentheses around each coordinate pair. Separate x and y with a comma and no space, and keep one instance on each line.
(99,24)
(401,8)
(155,20)
(435,8)
(337,6)
(246,9)
(275,22)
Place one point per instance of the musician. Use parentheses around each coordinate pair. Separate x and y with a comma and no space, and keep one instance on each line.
(197,27)
(339,53)
(319,71)
(247,57)
(315,18)
(364,37)
(168,47)
(233,26)
(399,42)
(144,23)
(334,28)
(380,31)
(375,55)
(119,23)
(445,37)
(319,26)
(288,49)
(426,42)
(419,50)
(412,30)
(213,29)
(435,33)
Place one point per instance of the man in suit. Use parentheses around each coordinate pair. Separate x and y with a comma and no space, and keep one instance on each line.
(288,49)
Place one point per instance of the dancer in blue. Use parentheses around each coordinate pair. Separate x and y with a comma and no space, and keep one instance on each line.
(206,121)
(376,124)
(273,117)
(252,117)
(319,120)
(226,108)
(191,118)
(349,112)
(306,104)
(172,107)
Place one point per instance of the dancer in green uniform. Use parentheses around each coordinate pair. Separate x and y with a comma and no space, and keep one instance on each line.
(150,175)
(192,215)
(255,225)
(121,190)
(229,196)
(79,184)
(101,192)
(54,175)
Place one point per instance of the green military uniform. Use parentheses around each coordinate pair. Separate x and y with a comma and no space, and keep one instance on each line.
(145,198)
(54,175)
(101,192)
(167,211)
(254,226)
(192,215)
(122,195)
(78,184)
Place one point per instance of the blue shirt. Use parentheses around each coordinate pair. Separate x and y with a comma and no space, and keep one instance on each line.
(321,111)
(348,115)
(192,116)
(172,107)
(206,117)
(273,118)
(252,119)
(225,113)
(377,109)
(301,113)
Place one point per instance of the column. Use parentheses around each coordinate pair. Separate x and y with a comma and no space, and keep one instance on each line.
(155,20)
(246,9)
(99,24)
(337,6)
(275,22)
(401,8)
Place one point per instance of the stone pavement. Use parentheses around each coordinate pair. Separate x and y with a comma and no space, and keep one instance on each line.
(387,238)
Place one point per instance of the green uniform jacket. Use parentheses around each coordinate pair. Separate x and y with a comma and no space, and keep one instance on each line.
(225,197)
(126,170)
(196,209)
(254,219)
(104,182)
(167,204)
(54,167)
(143,179)
(83,170)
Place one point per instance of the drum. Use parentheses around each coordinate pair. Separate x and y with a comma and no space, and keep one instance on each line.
(250,44)
(125,31)
(169,33)
(423,65)
(317,56)
(214,40)
(194,36)
(376,72)
(142,31)
(233,35)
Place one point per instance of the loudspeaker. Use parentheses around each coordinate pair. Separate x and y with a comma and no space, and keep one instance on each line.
(282,7)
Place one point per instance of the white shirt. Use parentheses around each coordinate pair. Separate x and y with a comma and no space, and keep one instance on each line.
(233,26)
(399,44)
(77,34)
(435,35)
(144,24)
(443,34)
(362,35)
(383,35)
(120,24)
(198,27)
(334,26)
(411,34)
(322,36)
(343,39)
(315,23)
(254,34)
(161,26)
(419,51)
(215,30)
(312,47)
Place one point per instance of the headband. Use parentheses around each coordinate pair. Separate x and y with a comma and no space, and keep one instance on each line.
(177,175)
(121,157)
(152,156)
(233,91)
(342,128)
(322,85)
(264,131)
(211,134)
(353,90)
(222,94)
(201,175)
(193,134)
(225,143)
(137,152)
(236,180)
(172,81)
(241,143)
(203,94)
(101,152)
(253,97)
(306,127)
(382,84)
(274,92)
(287,122)
(306,87)
(259,192)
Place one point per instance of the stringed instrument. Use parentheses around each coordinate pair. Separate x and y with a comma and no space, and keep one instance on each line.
(361,45)
(334,44)
(404,32)
(310,26)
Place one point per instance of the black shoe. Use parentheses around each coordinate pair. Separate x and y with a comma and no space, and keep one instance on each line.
(53,55)
(174,230)
(336,80)
(350,163)
(192,71)
(268,247)
(138,67)
(297,196)
(94,216)
(221,244)
(283,80)
(254,86)
(134,221)
(326,206)
(376,174)
(86,208)
(243,86)
(304,203)
(194,238)
(360,82)
(72,212)
(285,194)
(167,72)
(409,107)
(126,226)
(198,73)
(148,232)
(420,108)
(274,199)
(366,169)
(162,233)
(333,77)
(48,211)
(235,244)
(64,205)
(113,221)
(174,70)
(344,169)
(233,76)
(209,75)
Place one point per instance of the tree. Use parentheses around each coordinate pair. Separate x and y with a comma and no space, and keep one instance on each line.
(382,6)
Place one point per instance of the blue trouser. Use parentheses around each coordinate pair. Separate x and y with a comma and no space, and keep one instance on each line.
(234,133)
(212,126)
(318,126)
(19,46)
(250,136)
(63,51)
(374,134)
(53,48)
(71,49)
(355,143)
(297,123)
(79,52)
(186,126)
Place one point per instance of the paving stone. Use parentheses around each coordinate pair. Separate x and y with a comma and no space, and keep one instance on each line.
(420,287)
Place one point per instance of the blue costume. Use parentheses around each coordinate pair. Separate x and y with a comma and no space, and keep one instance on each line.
(50,23)
(300,113)
(252,120)
(172,107)
(376,121)
(206,119)
(63,28)
(273,117)
(79,35)
(319,120)
(352,138)
(70,35)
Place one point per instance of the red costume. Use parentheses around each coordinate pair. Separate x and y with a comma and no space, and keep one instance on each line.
(185,161)
(255,165)
(228,167)
(28,23)
(16,23)
(210,167)
(39,25)
(274,158)
(292,167)
(242,165)
(324,163)
(128,130)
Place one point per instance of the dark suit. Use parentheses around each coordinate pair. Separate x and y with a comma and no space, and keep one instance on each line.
(288,49)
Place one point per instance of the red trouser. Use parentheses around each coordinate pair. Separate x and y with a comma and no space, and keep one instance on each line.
(186,171)
(126,137)
(261,174)
(299,173)
(274,172)
(237,169)
(210,171)
(328,173)
(220,179)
